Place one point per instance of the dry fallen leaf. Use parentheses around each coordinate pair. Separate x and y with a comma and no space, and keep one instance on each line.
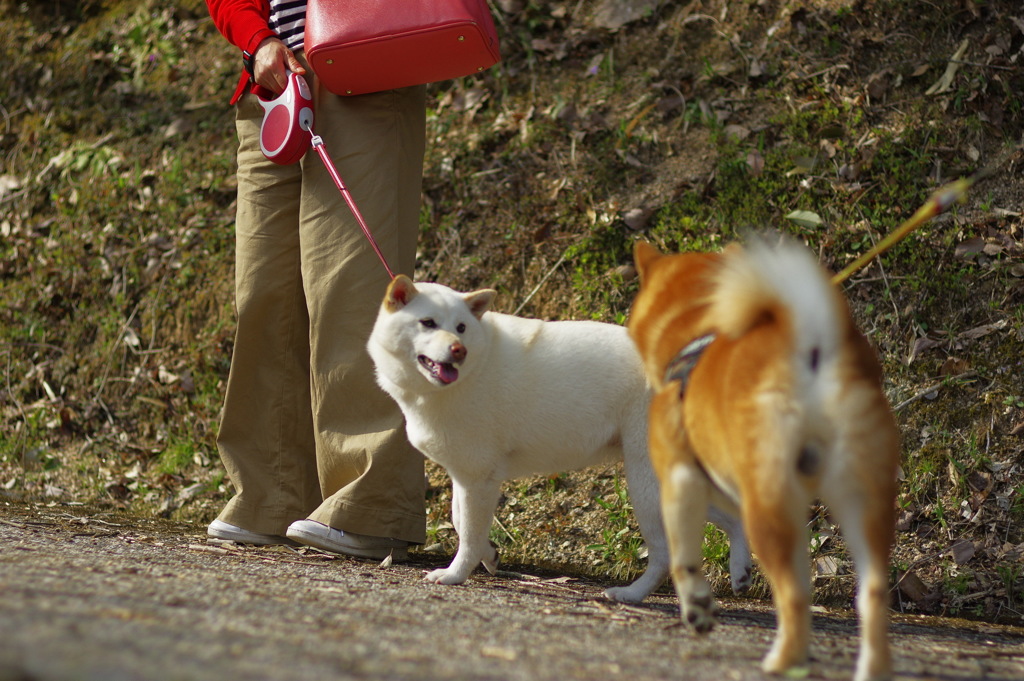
(969,247)
(911,586)
(614,14)
(636,218)
(983,330)
(921,345)
(962,551)
(878,84)
(805,218)
(826,566)
(954,366)
(755,161)
(736,132)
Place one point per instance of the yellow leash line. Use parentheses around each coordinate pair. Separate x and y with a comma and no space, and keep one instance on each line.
(939,202)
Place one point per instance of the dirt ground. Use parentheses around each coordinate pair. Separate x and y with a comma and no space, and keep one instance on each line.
(681,123)
(92,595)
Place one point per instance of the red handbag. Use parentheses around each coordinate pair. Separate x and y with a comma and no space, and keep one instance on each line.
(360,46)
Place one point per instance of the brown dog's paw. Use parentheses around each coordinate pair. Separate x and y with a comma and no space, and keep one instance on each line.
(700,612)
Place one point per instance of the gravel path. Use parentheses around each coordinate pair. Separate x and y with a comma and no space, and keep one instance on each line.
(84,596)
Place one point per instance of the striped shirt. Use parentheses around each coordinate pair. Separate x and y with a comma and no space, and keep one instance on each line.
(288,21)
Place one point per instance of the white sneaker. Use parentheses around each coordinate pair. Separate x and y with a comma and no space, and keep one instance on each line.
(321,536)
(220,531)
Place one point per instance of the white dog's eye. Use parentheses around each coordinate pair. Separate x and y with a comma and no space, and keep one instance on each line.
(428,323)
(460,328)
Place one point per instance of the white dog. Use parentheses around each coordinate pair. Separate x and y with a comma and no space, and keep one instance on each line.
(492,397)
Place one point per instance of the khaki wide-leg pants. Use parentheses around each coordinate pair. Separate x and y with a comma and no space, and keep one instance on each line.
(306,431)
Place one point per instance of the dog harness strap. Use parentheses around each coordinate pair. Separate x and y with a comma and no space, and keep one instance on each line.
(682,364)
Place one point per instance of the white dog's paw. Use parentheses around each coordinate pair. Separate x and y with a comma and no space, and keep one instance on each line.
(445,576)
(741,580)
(699,612)
(624,594)
(490,562)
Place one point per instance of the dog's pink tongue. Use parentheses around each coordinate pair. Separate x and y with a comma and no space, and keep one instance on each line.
(447,373)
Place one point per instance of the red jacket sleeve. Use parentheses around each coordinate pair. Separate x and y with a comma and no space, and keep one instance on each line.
(244,24)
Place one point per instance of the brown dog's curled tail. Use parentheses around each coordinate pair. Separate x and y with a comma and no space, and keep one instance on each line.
(781,283)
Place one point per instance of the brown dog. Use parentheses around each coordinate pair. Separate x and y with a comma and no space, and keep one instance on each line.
(766,390)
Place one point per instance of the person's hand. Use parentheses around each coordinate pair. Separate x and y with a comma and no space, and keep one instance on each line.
(271,63)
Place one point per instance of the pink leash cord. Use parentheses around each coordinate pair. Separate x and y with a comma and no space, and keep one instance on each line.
(321,148)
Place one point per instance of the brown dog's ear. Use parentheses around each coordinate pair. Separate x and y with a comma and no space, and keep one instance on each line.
(480,301)
(400,293)
(643,255)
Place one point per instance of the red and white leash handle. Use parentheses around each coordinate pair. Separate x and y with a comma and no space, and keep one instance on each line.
(286,134)
(287,122)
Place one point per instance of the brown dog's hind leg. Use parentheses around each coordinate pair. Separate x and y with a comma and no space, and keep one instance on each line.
(867,528)
(685,492)
(774,519)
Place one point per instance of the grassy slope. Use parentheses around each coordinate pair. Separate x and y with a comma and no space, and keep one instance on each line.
(704,118)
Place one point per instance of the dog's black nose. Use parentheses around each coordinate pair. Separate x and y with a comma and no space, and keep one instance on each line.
(458,351)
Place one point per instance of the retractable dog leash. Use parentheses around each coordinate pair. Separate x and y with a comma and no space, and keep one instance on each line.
(287,132)
(939,202)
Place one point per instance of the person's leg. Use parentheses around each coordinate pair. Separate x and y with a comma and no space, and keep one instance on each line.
(266,432)
(371,477)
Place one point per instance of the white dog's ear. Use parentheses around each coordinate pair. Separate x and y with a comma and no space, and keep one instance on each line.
(480,301)
(400,293)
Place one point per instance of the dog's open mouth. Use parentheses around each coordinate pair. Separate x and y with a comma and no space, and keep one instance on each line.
(445,373)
